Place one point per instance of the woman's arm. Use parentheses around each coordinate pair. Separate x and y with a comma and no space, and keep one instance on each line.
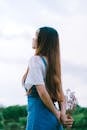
(24,76)
(67,120)
(45,97)
(63,106)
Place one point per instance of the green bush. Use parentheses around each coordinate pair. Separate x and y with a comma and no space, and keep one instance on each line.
(14,126)
(14,112)
(1,117)
(22,122)
(1,126)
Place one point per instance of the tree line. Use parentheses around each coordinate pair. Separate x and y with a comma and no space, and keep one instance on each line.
(14,118)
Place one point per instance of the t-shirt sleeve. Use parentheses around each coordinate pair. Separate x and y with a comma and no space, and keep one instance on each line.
(35,75)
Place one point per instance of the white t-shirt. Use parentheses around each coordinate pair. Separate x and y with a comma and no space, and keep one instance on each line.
(37,72)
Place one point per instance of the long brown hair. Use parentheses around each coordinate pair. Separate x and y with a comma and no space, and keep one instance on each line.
(48,45)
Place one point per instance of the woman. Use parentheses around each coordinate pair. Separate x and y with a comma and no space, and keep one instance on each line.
(42,82)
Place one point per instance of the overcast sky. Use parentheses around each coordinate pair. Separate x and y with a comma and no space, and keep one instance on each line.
(19,20)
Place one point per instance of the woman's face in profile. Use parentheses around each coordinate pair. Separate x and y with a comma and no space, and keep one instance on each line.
(34,41)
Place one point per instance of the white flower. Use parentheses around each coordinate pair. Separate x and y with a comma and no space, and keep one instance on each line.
(71,101)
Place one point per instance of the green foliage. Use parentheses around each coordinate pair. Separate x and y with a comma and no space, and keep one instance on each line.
(1,125)
(1,109)
(14,118)
(22,121)
(13,126)
(14,112)
(1,117)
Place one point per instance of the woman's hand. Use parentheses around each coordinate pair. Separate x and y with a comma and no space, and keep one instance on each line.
(66,120)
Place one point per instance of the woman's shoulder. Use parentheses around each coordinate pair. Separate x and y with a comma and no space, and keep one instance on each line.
(35,60)
(35,57)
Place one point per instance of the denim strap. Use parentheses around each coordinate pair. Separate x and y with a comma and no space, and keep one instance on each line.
(44,61)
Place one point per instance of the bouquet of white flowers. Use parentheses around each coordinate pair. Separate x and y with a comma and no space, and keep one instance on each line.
(71,101)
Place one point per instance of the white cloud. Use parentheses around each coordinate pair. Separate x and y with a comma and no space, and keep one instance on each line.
(15,51)
(10,84)
(73,42)
(3,4)
(9,28)
(75,84)
(66,8)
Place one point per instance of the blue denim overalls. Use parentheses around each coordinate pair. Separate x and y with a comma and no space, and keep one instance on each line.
(39,116)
